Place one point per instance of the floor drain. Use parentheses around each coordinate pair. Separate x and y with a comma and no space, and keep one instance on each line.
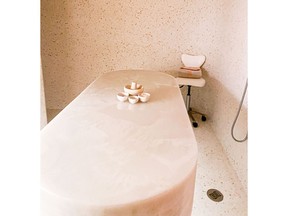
(215,195)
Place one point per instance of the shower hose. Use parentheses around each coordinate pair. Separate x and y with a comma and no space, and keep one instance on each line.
(235,120)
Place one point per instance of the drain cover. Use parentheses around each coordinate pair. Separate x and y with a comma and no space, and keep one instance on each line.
(215,195)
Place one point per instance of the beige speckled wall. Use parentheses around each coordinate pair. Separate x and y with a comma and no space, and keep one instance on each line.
(82,39)
(226,77)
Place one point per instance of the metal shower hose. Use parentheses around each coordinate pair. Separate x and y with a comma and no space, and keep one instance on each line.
(233,125)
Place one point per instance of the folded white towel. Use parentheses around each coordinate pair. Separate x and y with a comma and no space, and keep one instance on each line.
(195,74)
(191,68)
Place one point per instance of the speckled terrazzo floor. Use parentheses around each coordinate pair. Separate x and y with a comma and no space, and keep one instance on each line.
(214,171)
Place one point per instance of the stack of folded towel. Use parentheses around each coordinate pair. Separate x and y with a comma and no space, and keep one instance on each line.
(190,72)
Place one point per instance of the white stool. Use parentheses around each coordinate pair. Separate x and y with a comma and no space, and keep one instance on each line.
(190,61)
